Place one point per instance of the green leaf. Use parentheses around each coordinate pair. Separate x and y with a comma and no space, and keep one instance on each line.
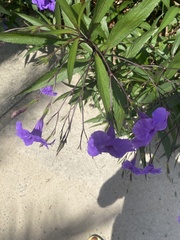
(168,87)
(99,118)
(45,19)
(129,22)
(4,11)
(42,81)
(166,3)
(148,96)
(173,66)
(35,21)
(119,101)
(166,142)
(54,75)
(72,59)
(103,83)
(104,26)
(176,44)
(58,32)
(57,15)
(138,44)
(68,11)
(102,7)
(30,39)
(81,12)
(168,18)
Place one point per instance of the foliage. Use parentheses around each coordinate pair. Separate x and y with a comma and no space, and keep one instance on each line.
(126,53)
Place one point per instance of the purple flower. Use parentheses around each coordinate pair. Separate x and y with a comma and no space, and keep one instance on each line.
(106,142)
(45,4)
(150,169)
(48,91)
(178,218)
(145,128)
(131,166)
(139,171)
(30,137)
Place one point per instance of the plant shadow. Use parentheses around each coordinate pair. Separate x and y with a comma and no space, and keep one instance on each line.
(151,204)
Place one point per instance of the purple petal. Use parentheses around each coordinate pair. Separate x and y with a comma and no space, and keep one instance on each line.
(160,116)
(30,137)
(97,143)
(40,140)
(143,128)
(111,132)
(24,134)
(130,166)
(143,131)
(118,147)
(127,165)
(178,218)
(37,131)
(142,115)
(48,91)
(138,171)
(150,169)
(45,4)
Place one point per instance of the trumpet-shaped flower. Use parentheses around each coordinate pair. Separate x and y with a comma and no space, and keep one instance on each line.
(30,137)
(48,91)
(145,128)
(100,142)
(45,4)
(149,169)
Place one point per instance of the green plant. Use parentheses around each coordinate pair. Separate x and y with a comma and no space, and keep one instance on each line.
(127,57)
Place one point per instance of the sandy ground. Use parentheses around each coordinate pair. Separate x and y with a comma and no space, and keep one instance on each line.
(72,196)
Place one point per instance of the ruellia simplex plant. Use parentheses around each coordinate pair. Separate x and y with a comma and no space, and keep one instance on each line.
(127,56)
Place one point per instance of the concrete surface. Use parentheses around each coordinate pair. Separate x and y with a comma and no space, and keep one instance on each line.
(72,196)
(16,74)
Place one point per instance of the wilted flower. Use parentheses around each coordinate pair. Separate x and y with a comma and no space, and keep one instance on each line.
(48,91)
(149,169)
(30,137)
(145,128)
(45,4)
(106,142)
(18,112)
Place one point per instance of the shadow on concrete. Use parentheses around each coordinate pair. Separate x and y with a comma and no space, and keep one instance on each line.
(151,205)
(53,226)
(15,76)
(8,50)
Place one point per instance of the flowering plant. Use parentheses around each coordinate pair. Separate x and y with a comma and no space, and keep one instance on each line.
(127,58)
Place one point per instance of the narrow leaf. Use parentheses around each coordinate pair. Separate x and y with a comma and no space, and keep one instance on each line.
(54,75)
(173,66)
(129,22)
(34,21)
(138,44)
(176,44)
(102,7)
(72,59)
(119,101)
(4,11)
(168,18)
(166,3)
(68,11)
(103,83)
(30,39)
(81,13)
